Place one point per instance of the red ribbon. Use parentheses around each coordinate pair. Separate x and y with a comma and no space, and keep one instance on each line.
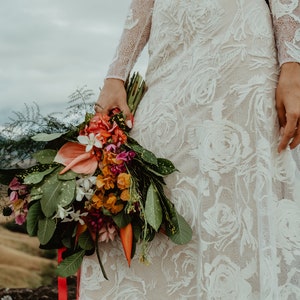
(78,284)
(61,281)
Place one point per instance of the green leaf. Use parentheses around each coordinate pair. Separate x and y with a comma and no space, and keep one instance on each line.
(85,241)
(70,264)
(46,137)
(36,193)
(146,155)
(45,156)
(32,218)
(165,166)
(153,210)
(121,219)
(183,233)
(46,229)
(36,177)
(56,192)
(69,175)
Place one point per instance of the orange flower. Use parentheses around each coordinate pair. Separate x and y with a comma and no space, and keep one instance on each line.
(123,181)
(125,195)
(109,158)
(97,201)
(111,204)
(119,136)
(75,157)
(105,182)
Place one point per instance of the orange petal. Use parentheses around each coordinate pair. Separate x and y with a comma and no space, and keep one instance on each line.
(126,235)
(74,157)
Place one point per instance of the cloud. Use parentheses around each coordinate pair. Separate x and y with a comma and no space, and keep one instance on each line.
(50,48)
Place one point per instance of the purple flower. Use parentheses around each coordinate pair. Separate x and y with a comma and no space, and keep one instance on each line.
(20,218)
(122,156)
(111,148)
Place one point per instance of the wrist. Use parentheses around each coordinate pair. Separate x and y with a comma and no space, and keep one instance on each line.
(115,81)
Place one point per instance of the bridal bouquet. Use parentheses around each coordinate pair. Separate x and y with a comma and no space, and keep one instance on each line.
(98,185)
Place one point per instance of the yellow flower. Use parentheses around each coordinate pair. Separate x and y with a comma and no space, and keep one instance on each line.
(109,158)
(111,205)
(105,182)
(125,195)
(97,201)
(123,181)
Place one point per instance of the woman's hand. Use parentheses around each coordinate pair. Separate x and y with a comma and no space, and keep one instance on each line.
(288,105)
(112,95)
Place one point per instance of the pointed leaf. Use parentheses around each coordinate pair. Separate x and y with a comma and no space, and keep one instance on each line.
(153,210)
(46,137)
(121,219)
(70,264)
(32,218)
(46,230)
(36,177)
(85,241)
(146,155)
(184,232)
(165,166)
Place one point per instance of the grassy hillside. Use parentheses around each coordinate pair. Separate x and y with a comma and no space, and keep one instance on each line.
(22,263)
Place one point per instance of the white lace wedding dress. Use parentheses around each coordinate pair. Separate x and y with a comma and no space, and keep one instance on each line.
(210,108)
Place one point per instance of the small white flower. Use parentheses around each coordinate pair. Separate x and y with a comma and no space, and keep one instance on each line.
(90,141)
(62,213)
(85,187)
(76,216)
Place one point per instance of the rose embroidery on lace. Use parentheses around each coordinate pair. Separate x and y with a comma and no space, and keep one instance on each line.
(226,280)
(288,225)
(222,146)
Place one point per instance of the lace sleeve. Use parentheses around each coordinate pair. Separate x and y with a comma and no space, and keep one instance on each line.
(286,20)
(134,37)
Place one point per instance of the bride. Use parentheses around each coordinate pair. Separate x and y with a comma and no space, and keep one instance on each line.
(223,103)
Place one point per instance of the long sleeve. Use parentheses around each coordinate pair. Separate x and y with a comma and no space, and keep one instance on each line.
(133,39)
(286,20)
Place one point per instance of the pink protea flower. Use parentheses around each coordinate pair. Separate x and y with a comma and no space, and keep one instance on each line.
(107,233)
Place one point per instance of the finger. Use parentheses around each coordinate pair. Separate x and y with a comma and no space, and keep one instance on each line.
(296,139)
(281,113)
(288,133)
(129,117)
(98,107)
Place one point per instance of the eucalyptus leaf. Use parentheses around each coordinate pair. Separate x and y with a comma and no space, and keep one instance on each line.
(70,264)
(46,229)
(32,218)
(85,241)
(56,192)
(45,156)
(36,177)
(47,137)
(153,210)
(183,233)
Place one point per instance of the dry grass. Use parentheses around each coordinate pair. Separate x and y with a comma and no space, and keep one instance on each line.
(21,264)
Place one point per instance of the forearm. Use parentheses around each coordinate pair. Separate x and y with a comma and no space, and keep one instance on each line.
(134,38)
(286,21)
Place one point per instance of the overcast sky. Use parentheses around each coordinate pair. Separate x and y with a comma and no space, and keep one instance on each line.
(49,48)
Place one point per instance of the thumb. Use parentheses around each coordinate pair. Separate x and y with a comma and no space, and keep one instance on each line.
(129,117)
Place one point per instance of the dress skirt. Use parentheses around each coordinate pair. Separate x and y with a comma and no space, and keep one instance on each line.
(210,108)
